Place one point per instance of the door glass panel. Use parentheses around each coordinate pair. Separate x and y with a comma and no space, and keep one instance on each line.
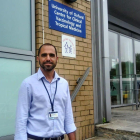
(127,65)
(114,69)
(15,24)
(137,59)
(12,73)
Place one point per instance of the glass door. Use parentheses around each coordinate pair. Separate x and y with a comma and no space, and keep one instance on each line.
(137,62)
(127,69)
(114,69)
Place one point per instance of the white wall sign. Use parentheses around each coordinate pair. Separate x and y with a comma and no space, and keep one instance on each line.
(68,46)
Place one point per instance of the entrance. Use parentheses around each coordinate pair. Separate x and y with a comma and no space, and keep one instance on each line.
(124,69)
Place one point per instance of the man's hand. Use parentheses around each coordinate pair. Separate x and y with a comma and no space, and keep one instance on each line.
(72,136)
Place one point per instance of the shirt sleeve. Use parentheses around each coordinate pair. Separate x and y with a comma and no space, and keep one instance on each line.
(69,122)
(23,106)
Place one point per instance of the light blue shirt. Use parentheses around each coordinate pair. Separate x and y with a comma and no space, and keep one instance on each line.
(34,106)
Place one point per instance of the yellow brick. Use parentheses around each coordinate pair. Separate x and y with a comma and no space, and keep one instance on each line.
(82,53)
(79,68)
(74,72)
(78,38)
(47,40)
(70,67)
(46,24)
(91,121)
(73,109)
(77,103)
(88,97)
(73,83)
(38,1)
(84,123)
(89,117)
(38,29)
(64,61)
(79,1)
(59,65)
(77,134)
(38,11)
(85,112)
(56,70)
(84,132)
(84,93)
(87,41)
(93,129)
(71,87)
(80,119)
(81,134)
(79,48)
(88,87)
(77,125)
(88,28)
(91,111)
(51,37)
(88,10)
(80,108)
(91,102)
(83,44)
(88,32)
(76,114)
(80,98)
(87,59)
(38,6)
(69,77)
(81,7)
(37,64)
(56,43)
(56,33)
(85,102)
(39,34)
(87,50)
(74,62)
(85,83)
(46,9)
(46,2)
(89,24)
(39,40)
(88,19)
(59,39)
(86,4)
(89,132)
(62,71)
(38,17)
(89,107)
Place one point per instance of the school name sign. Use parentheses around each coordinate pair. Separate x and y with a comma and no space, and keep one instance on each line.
(66,19)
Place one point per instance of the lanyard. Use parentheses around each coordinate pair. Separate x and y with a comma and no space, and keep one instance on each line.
(52,103)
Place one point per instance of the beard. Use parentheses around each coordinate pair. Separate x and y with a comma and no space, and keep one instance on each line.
(48,68)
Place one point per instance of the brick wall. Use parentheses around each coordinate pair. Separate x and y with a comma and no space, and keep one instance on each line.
(72,68)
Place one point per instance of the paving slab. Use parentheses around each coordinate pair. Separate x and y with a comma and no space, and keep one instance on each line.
(124,119)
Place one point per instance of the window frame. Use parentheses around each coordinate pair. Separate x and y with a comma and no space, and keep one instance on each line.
(20,51)
(19,54)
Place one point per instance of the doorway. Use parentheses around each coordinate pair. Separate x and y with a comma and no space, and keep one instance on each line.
(124,53)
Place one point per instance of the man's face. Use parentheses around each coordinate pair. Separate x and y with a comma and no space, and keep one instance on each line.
(47,58)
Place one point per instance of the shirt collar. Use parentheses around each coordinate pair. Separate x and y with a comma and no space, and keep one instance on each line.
(40,75)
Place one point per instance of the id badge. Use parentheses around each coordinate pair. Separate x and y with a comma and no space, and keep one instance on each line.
(53,115)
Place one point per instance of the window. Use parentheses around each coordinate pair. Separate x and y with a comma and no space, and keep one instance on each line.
(17,57)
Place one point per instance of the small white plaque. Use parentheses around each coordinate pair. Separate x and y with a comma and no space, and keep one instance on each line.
(68,46)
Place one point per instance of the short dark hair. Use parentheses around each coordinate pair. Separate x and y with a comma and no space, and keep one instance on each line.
(46,44)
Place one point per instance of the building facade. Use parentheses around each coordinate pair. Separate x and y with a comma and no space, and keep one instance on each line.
(109,47)
(24,28)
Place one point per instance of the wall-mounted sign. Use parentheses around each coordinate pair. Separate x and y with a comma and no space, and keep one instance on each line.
(68,46)
(66,19)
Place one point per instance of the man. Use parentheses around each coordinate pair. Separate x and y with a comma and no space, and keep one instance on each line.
(44,109)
